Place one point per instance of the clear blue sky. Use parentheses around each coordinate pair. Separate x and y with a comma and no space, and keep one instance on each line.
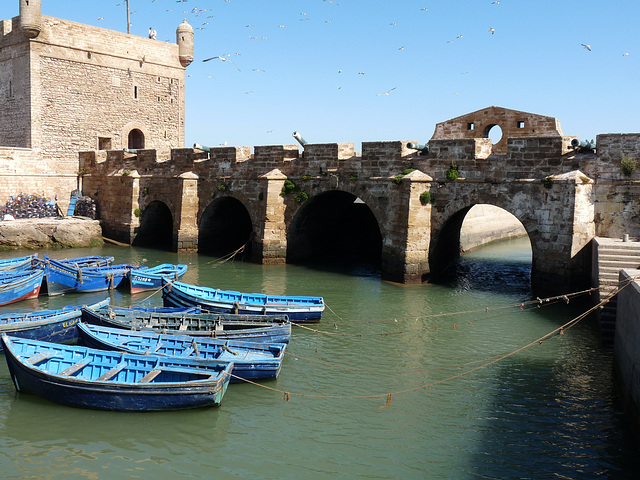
(300,63)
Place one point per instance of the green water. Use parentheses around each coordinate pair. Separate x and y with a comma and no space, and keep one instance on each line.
(546,412)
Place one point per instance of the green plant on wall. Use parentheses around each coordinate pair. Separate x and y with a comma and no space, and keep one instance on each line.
(223,187)
(425,198)
(145,191)
(453,173)
(547,182)
(126,172)
(289,187)
(82,172)
(137,212)
(398,178)
(306,177)
(628,165)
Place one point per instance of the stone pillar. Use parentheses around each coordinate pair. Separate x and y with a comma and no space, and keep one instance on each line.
(405,250)
(270,242)
(186,221)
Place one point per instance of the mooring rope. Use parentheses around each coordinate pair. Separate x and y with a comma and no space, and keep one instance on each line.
(492,360)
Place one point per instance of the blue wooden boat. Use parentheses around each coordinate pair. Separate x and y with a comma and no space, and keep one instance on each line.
(90,261)
(143,279)
(63,277)
(247,328)
(251,361)
(297,308)
(48,325)
(18,263)
(20,285)
(87,378)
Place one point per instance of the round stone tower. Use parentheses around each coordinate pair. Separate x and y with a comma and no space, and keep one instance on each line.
(184,38)
(30,18)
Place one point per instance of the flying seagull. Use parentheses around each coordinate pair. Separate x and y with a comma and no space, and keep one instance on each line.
(588,47)
(387,92)
(224,59)
(491,30)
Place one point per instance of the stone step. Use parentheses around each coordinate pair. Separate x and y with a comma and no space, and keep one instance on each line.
(619,263)
(618,250)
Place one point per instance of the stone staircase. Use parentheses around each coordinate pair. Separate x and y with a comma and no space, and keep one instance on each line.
(610,255)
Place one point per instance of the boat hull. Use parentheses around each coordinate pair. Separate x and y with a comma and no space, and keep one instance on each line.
(143,280)
(250,361)
(15,287)
(47,325)
(246,328)
(298,309)
(64,278)
(174,387)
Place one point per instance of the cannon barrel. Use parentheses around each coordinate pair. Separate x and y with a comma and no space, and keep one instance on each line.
(299,138)
(418,146)
(130,150)
(201,147)
(583,144)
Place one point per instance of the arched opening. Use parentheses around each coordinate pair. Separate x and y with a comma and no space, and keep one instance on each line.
(335,230)
(156,227)
(136,139)
(225,227)
(494,132)
(482,247)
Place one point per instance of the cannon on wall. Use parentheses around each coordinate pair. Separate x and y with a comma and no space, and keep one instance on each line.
(299,138)
(197,146)
(418,146)
(583,144)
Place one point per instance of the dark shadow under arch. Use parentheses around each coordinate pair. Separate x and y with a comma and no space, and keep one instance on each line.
(335,230)
(225,227)
(156,227)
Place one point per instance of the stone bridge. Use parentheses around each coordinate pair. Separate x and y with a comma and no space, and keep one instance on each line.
(400,205)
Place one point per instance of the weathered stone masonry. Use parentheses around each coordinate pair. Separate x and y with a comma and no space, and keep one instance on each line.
(560,214)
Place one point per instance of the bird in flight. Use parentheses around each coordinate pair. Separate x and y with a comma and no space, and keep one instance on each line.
(387,92)
(588,47)
(224,59)
(491,30)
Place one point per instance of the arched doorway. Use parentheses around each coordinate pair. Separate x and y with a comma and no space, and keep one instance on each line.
(225,228)
(335,230)
(136,139)
(156,227)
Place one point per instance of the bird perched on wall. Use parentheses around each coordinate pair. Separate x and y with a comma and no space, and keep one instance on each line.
(224,59)
(588,47)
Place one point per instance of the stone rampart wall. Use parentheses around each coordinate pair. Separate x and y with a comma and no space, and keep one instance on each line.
(626,353)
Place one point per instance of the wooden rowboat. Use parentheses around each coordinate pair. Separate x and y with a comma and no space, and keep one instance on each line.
(18,263)
(47,325)
(248,328)
(62,277)
(143,279)
(297,308)
(251,361)
(87,378)
(20,285)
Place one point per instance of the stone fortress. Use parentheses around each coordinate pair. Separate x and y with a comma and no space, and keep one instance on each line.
(104,111)
(67,87)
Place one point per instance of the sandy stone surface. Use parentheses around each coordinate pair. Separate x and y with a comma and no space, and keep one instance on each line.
(50,232)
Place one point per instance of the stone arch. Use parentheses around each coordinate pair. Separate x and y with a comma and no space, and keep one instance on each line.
(334,226)
(156,229)
(445,244)
(135,139)
(225,226)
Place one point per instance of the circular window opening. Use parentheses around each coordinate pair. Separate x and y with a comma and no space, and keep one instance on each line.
(495,134)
